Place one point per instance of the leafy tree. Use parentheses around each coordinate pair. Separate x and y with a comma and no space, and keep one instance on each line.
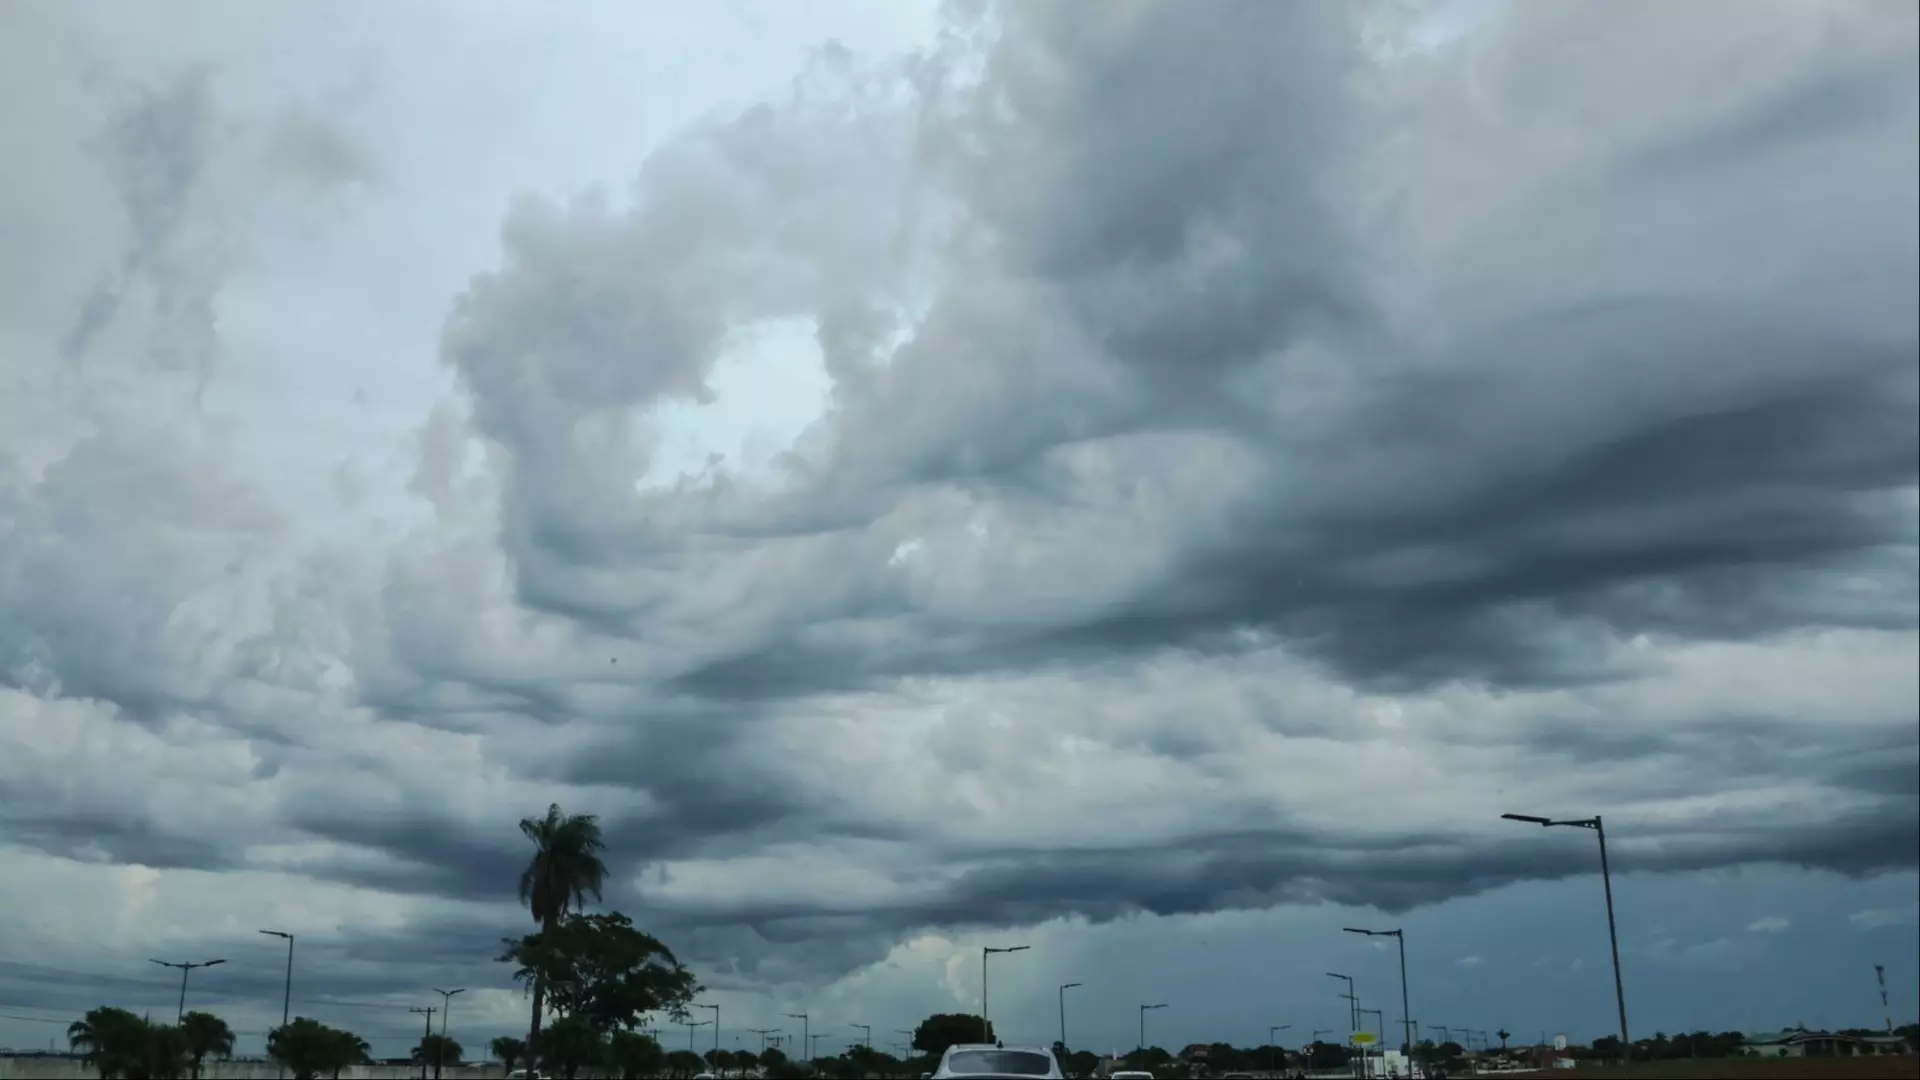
(1081,1063)
(509,1050)
(1326,1055)
(683,1063)
(309,1048)
(564,870)
(438,1051)
(941,1030)
(634,1055)
(601,969)
(570,1044)
(771,1058)
(205,1034)
(1504,1036)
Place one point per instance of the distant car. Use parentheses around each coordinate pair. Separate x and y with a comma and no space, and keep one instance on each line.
(1127,1074)
(524,1074)
(992,1061)
(704,1076)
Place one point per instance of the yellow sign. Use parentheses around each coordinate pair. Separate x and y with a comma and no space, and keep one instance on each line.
(1364,1038)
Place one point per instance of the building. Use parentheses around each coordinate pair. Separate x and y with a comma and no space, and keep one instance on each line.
(1800,1043)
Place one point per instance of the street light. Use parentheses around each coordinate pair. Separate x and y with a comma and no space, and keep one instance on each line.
(1143,1022)
(1271,1047)
(763,1033)
(1064,987)
(185,970)
(1606,882)
(986,1025)
(716,1028)
(690,1025)
(446,1006)
(866,1029)
(286,1001)
(805,1042)
(1401,937)
(1353,1003)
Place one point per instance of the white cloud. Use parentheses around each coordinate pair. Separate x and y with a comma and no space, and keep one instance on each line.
(1770,924)
(1878,918)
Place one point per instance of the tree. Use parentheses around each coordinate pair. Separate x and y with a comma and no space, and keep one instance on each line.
(570,1044)
(1081,1063)
(600,969)
(564,870)
(438,1051)
(205,1034)
(111,1040)
(309,1048)
(508,1049)
(683,1063)
(634,1055)
(941,1030)
(1504,1036)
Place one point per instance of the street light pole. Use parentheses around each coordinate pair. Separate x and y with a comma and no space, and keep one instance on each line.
(1272,1049)
(1064,987)
(1613,934)
(716,1029)
(1406,1014)
(1353,1003)
(690,1025)
(1143,1022)
(286,1000)
(185,970)
(805,1042)
(867,1030)
(986,1025)
(446,1006)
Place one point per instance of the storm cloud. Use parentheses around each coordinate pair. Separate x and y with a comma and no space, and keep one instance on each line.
(1202,460)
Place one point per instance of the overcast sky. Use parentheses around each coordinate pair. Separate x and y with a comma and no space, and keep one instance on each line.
(1152,487)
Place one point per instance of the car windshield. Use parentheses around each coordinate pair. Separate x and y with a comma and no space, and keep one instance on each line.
(998,1063)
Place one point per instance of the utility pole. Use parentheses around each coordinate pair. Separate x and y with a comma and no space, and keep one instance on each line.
(428,1011)
(185,970)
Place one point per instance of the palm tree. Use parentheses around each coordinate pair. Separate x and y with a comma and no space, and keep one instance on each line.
(112,1040)
(206,1034)
(438,1051)
(1504,1036)
(564,870)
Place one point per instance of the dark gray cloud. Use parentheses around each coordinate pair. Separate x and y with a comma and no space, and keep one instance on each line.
(1243,458)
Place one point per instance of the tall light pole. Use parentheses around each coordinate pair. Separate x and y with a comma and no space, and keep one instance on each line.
(185,970)
(867,1030)
(716,1030)
(813,1046)
(1406,1015)
(763,1033)
(446,1006)
(286,1000)
(1144,1009)
(806,1043)
(1064,987)
(690,1025)
(1353,1003)
(986,1025)
(1606,882)
(1272,1048)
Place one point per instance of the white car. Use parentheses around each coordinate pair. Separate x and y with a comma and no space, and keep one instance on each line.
(1127,1074)
(993,1061)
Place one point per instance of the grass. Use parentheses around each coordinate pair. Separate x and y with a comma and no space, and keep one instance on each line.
(1755,1068)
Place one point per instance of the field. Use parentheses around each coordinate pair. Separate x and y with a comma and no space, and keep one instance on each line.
(1749,1068)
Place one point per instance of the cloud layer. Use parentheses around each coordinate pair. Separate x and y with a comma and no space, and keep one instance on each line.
(1248,450)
